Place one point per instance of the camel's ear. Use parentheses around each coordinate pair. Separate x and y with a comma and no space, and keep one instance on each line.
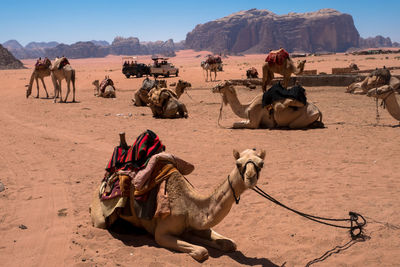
(236,154)
(262,154)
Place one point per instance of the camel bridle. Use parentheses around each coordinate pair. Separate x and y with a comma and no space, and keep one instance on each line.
(242,171)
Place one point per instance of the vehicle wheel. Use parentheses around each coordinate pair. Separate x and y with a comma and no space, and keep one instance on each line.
(167,75)
(177,73)
(155,75)
(139,75)
(127,76)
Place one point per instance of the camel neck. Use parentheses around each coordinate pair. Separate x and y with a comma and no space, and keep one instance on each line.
(236,106)
(392,103)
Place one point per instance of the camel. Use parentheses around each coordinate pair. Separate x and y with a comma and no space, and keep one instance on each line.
(390,95)
(375,79)
(286,69)
(283,113)
(141,96)
(39,72)
(165,104)
(211,65)
(192,214)
(252,73)
(108,92)
(58,73)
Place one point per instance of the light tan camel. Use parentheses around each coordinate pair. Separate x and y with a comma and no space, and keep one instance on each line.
(286,70)
(390,95)
(165,104)
(192,214)
(39,72)
(285,113)
(378,77)
(58,74)
(211,68)
(141,96)
(109,91)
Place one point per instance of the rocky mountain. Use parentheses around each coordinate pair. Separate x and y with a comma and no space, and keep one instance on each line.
(132,46)
(8,61)
(77,50)
(40,45)
(377,41)
(100,43)
(258,31)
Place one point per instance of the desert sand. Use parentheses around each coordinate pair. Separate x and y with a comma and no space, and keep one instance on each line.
(53,156)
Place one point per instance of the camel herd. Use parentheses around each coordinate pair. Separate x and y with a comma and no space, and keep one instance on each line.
(193,215)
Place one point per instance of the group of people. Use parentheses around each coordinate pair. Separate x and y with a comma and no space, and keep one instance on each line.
(130,63)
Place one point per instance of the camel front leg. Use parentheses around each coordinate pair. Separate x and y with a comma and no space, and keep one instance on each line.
(286,80)
(45,89)
(37,87)
(172,242)
(215,75)
(212,239)
(68,90)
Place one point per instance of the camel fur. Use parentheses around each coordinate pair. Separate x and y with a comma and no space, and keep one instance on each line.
(390,95)
(209,68)
(283,113)
(59,74)
(286,70)
(164,104)
(39,73)
(141,96)
(193,215)
(378,77)
(109,91)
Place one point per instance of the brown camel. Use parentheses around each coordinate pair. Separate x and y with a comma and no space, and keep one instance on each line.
(192,214)
(286,69)
(378,77)
(390,95)
(60,72)
(165,104)
(41,71)
(285,112)
(141,96)
(214,67)
(108,92)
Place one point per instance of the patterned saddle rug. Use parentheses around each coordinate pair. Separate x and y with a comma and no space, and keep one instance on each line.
(277,57)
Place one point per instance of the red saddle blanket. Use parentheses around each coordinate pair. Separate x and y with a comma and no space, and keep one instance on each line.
(106,82)
(277,57)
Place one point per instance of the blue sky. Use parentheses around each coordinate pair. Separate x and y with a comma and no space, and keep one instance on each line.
(69,21)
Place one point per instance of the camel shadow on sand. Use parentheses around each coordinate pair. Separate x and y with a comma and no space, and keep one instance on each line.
(137,237)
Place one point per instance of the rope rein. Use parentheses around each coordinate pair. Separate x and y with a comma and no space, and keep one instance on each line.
(355,228)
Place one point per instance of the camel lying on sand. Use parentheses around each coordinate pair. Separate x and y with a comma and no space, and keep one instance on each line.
(141,96)
(282,113)
(286,69)
(107,92)
(164,104)
(39,72)
(59,72)
(252,73)
(378,77)
(390,95)
(192,214)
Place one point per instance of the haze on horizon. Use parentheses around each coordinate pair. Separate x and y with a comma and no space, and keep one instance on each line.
(45,21)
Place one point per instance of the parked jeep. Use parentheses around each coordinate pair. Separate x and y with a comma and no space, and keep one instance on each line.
(162,67)
(130,67)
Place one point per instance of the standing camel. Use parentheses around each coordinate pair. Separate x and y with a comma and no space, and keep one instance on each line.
(192,215)
(40,71)
(284,68)
(212,64)
(62,70)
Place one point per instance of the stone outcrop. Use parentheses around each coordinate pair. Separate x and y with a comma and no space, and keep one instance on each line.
(132,46)
(77,50)
(377,41)
(8,61)
(258,31)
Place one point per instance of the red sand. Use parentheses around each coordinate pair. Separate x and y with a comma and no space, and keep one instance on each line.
(53,156)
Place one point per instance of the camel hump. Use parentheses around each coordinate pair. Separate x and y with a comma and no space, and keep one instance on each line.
(277,56)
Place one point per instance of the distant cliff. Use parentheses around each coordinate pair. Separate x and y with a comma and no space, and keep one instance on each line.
(377,41)
(8,61)
(258,31)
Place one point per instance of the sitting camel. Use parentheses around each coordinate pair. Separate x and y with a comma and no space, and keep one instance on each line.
(165,104)
(252,73)
(193,215)
(62,70)
(106,89)
(141,96)
(390,95)
(285,112)
(284,68)
(375,79)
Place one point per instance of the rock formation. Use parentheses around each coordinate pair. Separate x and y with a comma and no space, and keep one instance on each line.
(77,50)
(8,61)
(377,41)
(258,31)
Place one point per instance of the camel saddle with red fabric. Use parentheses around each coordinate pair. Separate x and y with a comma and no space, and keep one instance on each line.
(277,56)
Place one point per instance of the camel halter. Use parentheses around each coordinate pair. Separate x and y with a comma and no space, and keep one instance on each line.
(242,172)
(383,104)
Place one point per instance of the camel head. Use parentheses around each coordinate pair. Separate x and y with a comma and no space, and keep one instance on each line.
(249,164)
(223,88)
(181,86)
(96,83)
(28,90)
(380,92)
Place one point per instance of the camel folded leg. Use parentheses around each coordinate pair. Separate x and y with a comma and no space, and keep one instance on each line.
(212,239)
